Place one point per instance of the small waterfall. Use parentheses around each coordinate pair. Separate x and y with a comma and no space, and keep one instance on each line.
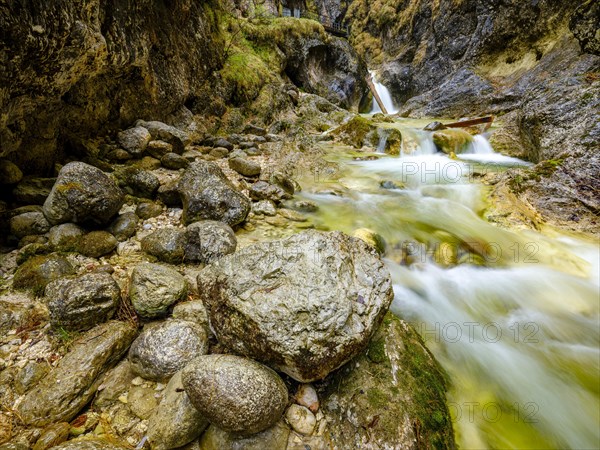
(385,96)
(481,146)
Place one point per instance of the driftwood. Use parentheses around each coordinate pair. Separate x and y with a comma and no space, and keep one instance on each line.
(375,94)
(470,123)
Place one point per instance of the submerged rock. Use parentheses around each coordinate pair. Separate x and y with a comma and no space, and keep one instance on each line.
(394,394)
(83,193)
(236,394)
(208,194)
(154,288)
(325,294)
(74,381)
(81,303)
(164,348)
(176,421)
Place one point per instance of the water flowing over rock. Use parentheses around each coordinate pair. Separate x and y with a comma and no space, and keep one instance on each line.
(208,194)
(304,305)
(236,394)
(83,193)
(73,383)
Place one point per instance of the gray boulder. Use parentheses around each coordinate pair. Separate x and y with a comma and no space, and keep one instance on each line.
(208,240)
(206,193)
(153,288)
(134,140)
(166,244)
(38,271)
(138,182)
(29,223)
(158,149)
(80,303)
(236,394)
(83,193)
(96,244)
(163,132)
(245,167)
(124,226)
(174,161)
(164,348)
(261,190)
(74,381)
(325,294)
(176,422)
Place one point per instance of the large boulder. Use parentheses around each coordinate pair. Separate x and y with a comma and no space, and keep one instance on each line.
(304,305)
(83,193)
(236,394)
(164,348)
(394,394)
(74,381)
(206,193)
(81,303)
(154,288)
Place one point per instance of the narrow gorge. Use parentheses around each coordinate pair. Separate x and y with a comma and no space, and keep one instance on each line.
(300,224)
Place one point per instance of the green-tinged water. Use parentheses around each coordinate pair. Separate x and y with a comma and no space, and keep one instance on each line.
(515,323)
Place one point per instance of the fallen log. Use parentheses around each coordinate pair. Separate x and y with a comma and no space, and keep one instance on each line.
(375,94)
(470,122)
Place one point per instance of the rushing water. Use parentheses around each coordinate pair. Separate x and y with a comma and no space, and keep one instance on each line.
(384,95)
(515,324)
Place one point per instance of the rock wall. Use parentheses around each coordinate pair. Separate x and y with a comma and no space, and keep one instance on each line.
(75,68)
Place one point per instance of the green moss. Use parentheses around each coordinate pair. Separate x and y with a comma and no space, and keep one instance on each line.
(376,351)
(355,131)
(377,398)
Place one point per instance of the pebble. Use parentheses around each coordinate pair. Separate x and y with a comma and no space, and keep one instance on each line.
(307,396)
(301,419)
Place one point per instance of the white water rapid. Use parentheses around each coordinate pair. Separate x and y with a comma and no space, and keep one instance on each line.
(384,95)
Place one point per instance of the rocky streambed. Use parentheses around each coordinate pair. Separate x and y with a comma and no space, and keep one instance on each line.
(171,292)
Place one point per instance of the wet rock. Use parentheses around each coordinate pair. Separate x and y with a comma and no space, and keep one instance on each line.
(83,193)
(168,193)
(434,126)
(292,215)
(224,143)
(245,167)
(236,394)
(307,396)
(174,161)
(147,210)
(134,140)
(264,207)
(452,140)
(393,141)
(166,244)
(166,347)
(28,224)
(219,152)
(301,419)
(38,271)
(274,438)
(261,190)
(386,390)
(87,443)
(97,243)
(138,182)
(52,436)
(158,149)
(78,304)
(124,226)
(206,193)
(176,422)
(9,172)
(154,288)
(208,240)
(389,184)
(163,132)
(33,190)
(305,206)
(30,375)
(75,379)
(370,237)
(193,311)
(330,292)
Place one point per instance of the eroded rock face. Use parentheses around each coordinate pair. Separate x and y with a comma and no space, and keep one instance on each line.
(74,381)
(236,394)
(304,305)
(83,193)
(73,72)
(207,193)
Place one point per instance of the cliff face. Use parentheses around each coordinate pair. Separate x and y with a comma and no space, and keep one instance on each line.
(75,68)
